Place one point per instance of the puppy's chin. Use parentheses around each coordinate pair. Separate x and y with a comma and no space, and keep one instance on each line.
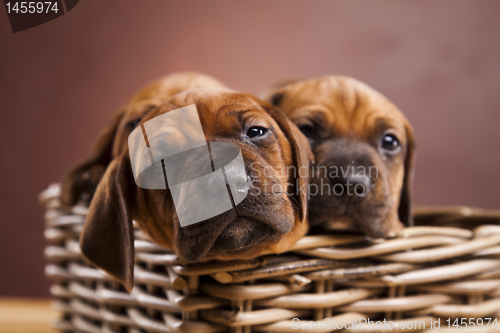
(386,226)
(226,237)
(369,215)
(240,234)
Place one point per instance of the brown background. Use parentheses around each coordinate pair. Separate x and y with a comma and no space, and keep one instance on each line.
(60,82)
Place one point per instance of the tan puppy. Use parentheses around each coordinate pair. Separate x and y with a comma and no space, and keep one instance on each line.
(364,150)
(265,219)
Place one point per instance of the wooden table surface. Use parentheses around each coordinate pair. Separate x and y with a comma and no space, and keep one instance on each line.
(25,315)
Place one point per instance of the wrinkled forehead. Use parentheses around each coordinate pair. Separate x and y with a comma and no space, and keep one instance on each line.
(222,112)
(341,102)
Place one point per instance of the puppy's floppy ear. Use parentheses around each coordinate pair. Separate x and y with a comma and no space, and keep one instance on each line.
(275,96)
(84,177)
(299,143)
(405,203)
(305,158)
(301,154)
(107,238)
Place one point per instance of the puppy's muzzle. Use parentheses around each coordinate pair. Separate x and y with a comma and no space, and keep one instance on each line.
(225,177)
(352,182)
(350,170)
(233,179)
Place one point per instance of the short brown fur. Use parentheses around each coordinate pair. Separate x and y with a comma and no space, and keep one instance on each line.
(345,121)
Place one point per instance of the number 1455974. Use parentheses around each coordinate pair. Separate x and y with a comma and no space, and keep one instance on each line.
(31,7)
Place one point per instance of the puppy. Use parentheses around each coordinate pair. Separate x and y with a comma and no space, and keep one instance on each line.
(267,219)
(364,151)
(81,181)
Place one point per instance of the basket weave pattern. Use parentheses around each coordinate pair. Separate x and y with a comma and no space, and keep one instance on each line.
(447,268)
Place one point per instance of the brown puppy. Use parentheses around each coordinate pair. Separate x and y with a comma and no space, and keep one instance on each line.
(81,181)
(364,154)
(266,219)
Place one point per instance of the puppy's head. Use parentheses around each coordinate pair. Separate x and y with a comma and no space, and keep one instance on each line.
(271,216)
(364,154)
(81,181)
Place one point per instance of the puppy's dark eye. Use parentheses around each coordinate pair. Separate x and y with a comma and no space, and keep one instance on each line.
(135,122)
(390,142)
(256,131)
(307,130)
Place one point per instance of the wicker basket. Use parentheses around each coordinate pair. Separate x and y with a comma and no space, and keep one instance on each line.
(447,267)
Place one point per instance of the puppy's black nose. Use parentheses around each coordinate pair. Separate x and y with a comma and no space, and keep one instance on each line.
(218,182)
(350,184)
(215,183)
